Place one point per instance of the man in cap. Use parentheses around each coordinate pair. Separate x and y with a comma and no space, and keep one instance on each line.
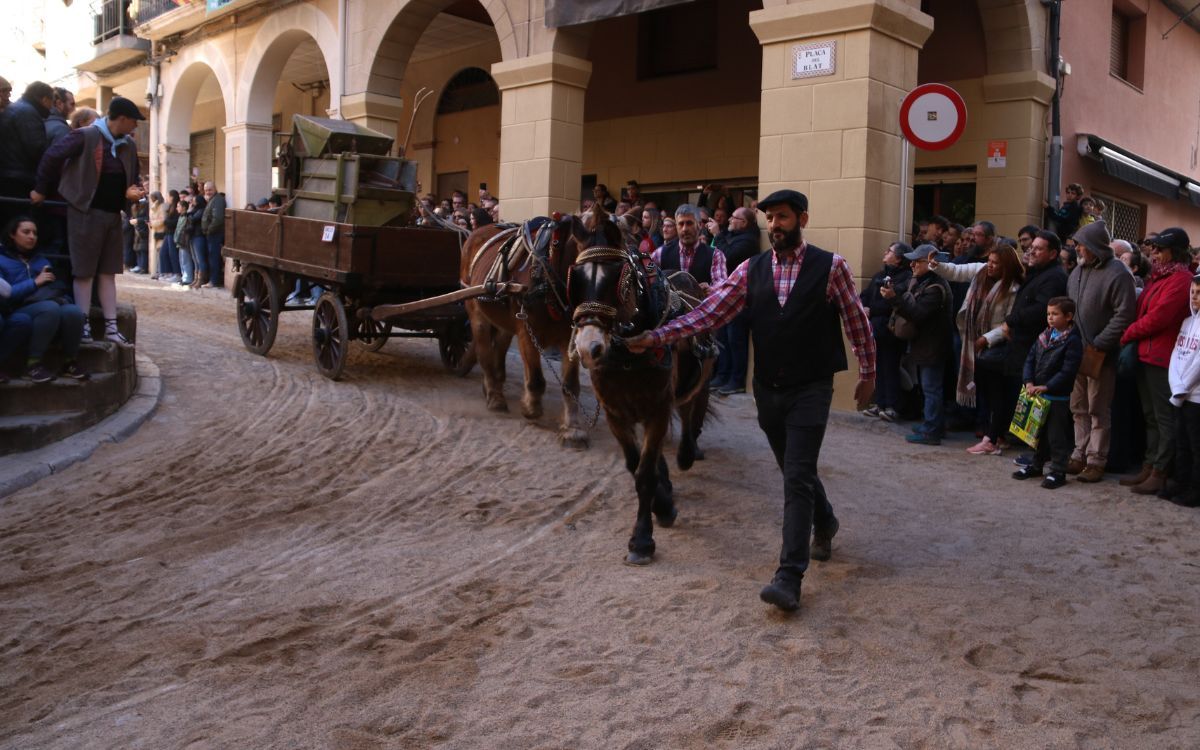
(1105,306)
(795,297)
(927,305)
(95,169)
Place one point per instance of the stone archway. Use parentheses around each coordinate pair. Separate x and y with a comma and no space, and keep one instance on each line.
(185,77)
(250,139)
(391,29)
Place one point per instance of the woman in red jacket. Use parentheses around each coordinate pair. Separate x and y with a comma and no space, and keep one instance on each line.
(1161,308)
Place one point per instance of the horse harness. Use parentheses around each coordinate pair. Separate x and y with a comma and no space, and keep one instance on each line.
(519,247)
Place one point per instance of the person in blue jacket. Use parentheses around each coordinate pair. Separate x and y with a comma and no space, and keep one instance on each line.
(14,330)
(38,294)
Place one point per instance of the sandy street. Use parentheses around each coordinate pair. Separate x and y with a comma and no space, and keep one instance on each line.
(278,561)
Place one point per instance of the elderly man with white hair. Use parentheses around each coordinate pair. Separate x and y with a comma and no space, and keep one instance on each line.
(212,225)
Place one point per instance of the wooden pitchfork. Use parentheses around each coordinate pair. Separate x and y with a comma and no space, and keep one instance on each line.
(418,100)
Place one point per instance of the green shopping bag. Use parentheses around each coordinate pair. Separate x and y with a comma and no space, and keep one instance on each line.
(1029,417)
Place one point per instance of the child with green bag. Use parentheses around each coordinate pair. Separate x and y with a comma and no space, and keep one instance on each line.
(1050,371)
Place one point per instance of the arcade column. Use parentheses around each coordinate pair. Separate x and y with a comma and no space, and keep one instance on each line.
(541,133)
(378,112)
(834,73)
(247,163)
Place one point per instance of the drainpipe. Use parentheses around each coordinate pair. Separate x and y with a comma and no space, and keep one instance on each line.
(152,98)
(343,12)
(1056,148)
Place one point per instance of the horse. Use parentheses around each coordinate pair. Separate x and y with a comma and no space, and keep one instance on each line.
(614,295)
(537,255)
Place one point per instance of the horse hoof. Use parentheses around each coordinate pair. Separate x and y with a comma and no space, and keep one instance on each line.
(531,413)
(667,520)
(497,404)
(638,559)
(576,439)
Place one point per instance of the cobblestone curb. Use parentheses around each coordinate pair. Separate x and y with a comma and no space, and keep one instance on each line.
(23,469)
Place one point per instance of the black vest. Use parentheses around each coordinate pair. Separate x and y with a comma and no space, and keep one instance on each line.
(701,269)
(802,342)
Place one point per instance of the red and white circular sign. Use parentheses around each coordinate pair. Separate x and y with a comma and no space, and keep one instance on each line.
(933,116)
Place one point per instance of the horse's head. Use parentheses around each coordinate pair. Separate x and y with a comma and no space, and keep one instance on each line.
(601,287)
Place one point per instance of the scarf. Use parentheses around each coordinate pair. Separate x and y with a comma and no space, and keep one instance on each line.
(102,126)
(978,314)
(1052,337)
(1161,270)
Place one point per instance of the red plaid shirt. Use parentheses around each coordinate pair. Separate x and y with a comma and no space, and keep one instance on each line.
(688,254)
(727,300)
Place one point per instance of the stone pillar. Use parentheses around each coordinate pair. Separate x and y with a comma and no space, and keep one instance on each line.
(831,129)
(541,133)
(247,163)
(104,95)
(174,163)
(377,112)
(1016,107)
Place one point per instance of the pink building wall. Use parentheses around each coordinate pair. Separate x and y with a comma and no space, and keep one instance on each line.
(1160,121)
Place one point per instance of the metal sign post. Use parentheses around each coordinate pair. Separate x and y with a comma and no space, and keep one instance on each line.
(932,117)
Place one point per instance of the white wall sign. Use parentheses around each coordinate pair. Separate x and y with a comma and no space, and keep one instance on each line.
(328,232)
(812,60)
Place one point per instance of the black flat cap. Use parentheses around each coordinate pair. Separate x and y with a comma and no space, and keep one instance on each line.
(122,107)
(796,200)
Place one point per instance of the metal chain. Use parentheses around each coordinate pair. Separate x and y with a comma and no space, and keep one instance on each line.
(524,318)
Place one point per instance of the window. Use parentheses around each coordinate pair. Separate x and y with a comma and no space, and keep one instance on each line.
(470,88)
(1125,220)
(1127,43)
(677,39)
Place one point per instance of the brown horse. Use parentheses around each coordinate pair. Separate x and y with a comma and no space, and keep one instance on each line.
(537,255)
(613,295)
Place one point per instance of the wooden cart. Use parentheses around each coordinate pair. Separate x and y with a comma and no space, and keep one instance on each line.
(359,268)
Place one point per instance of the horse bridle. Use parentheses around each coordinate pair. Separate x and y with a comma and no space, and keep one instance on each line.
(598,313)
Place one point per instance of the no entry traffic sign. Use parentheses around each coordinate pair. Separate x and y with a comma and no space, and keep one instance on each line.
(933,116)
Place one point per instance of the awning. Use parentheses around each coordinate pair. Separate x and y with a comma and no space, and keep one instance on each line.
(1194,193)
(1137,173)
(1136,170)
(572,12)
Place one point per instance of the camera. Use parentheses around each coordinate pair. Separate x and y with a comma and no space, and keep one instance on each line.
(887,280)
(942,256)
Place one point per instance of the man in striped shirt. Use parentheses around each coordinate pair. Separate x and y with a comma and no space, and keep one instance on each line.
(799,299)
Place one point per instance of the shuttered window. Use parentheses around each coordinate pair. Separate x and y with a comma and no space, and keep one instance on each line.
(1118,61)
(203,150)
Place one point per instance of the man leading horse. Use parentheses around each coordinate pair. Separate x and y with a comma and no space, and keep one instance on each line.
(795,296)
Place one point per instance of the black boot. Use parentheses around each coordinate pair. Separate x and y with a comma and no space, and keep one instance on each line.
(783,592)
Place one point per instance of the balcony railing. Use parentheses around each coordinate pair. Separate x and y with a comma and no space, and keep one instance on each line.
(148,10)
(111,19)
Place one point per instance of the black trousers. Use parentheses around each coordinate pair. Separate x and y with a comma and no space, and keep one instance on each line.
(1058,438)
(1187,445)
(794,421)
(999,392)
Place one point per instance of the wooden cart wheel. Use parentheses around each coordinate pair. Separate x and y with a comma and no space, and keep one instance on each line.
(257,300)
(454,344)
(331,335)
(371,334)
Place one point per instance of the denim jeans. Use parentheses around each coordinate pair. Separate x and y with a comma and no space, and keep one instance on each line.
(186,266)
(216,264)
(200,256)
(168,259)
(52,321)
(14,333)
(932,377)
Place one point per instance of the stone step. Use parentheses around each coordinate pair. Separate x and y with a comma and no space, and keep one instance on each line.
(27,432)
(101,393)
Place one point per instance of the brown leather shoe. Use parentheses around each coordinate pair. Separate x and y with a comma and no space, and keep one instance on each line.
(1140,477)
(1091,473)
(1155,482)
(1074,466)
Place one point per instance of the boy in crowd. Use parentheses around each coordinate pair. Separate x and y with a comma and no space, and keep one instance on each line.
(1184,377)
(1050,371)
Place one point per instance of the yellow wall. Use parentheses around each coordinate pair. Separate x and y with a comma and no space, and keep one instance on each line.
(210,115)
(469,142)
(478,130)
(700,145)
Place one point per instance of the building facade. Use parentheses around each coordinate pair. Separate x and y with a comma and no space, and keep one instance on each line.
(540,100)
